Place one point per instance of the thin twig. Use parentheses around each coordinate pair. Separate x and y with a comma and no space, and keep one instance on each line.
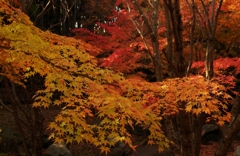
(6,107)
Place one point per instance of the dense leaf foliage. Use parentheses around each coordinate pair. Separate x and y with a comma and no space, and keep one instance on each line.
(98,105)
(72,80)
(122,48)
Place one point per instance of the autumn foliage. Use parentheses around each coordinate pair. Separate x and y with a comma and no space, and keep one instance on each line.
(121,47)
(72,80)
(99,105)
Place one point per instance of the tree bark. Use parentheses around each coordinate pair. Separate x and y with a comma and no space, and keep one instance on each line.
(153,31)
(210,26)
(37,133)
(10,87)
(197,123)
(190,127)
(169,35)
(227,139)
(186,147)
(230,131)
(176,24)
(209,60)
(192,6)
(155,42)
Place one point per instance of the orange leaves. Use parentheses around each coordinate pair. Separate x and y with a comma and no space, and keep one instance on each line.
(221,66)
(195,94)
(105,149)
(118,49)
(98,104)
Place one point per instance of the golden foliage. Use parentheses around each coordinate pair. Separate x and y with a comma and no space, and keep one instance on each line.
(71,74)
(98,104)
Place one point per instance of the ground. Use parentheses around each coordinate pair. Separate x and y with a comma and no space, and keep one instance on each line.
(208,150)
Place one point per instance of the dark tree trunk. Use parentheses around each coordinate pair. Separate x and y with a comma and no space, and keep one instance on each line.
(189,126)
(177,28)
(29,121)
(197,123)
(169,35)
(10,87)
(209,60)
(155,43)
(37,133)
(186,147)
(230,131)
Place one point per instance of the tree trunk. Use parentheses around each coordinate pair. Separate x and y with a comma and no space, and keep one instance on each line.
(211,27)
(209,60)
(155,43)
(176,23)
(230,131)
(153,31)
(197,123)
(169,35)
(225,143)
(37,133)
(192,6)
(186,147)
(190,127)
(10,87)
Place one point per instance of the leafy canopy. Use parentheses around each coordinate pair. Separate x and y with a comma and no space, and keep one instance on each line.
(71,79)
(98,104)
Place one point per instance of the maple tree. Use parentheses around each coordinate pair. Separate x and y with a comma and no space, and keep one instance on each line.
(72,75)
(226,69)
(116,47)
(207,27)
(189,20)
(89,93)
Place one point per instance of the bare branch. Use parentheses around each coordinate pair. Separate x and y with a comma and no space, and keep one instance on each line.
(214,24)
(43,11)
(140,33)
(6,107)
(149,28)
(206,16)
(149,1)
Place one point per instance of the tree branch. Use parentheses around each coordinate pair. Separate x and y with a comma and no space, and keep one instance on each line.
(149,28)
(6,107)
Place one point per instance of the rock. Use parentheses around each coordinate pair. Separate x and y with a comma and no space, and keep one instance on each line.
(116,151)
(120,144)
(58,149)
(148,150)
(237,151)
(209,128)
(210,132)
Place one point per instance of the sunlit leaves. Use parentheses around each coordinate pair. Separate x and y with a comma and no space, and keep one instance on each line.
(98,104)
(198,96)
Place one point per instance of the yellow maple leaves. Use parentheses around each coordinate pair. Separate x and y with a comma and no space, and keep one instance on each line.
(98,104)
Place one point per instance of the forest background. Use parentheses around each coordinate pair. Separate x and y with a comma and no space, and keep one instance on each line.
(163,66)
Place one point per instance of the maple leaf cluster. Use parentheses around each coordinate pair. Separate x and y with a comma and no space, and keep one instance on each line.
(226,71)
(97,104)
(121,47)
(73,81)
